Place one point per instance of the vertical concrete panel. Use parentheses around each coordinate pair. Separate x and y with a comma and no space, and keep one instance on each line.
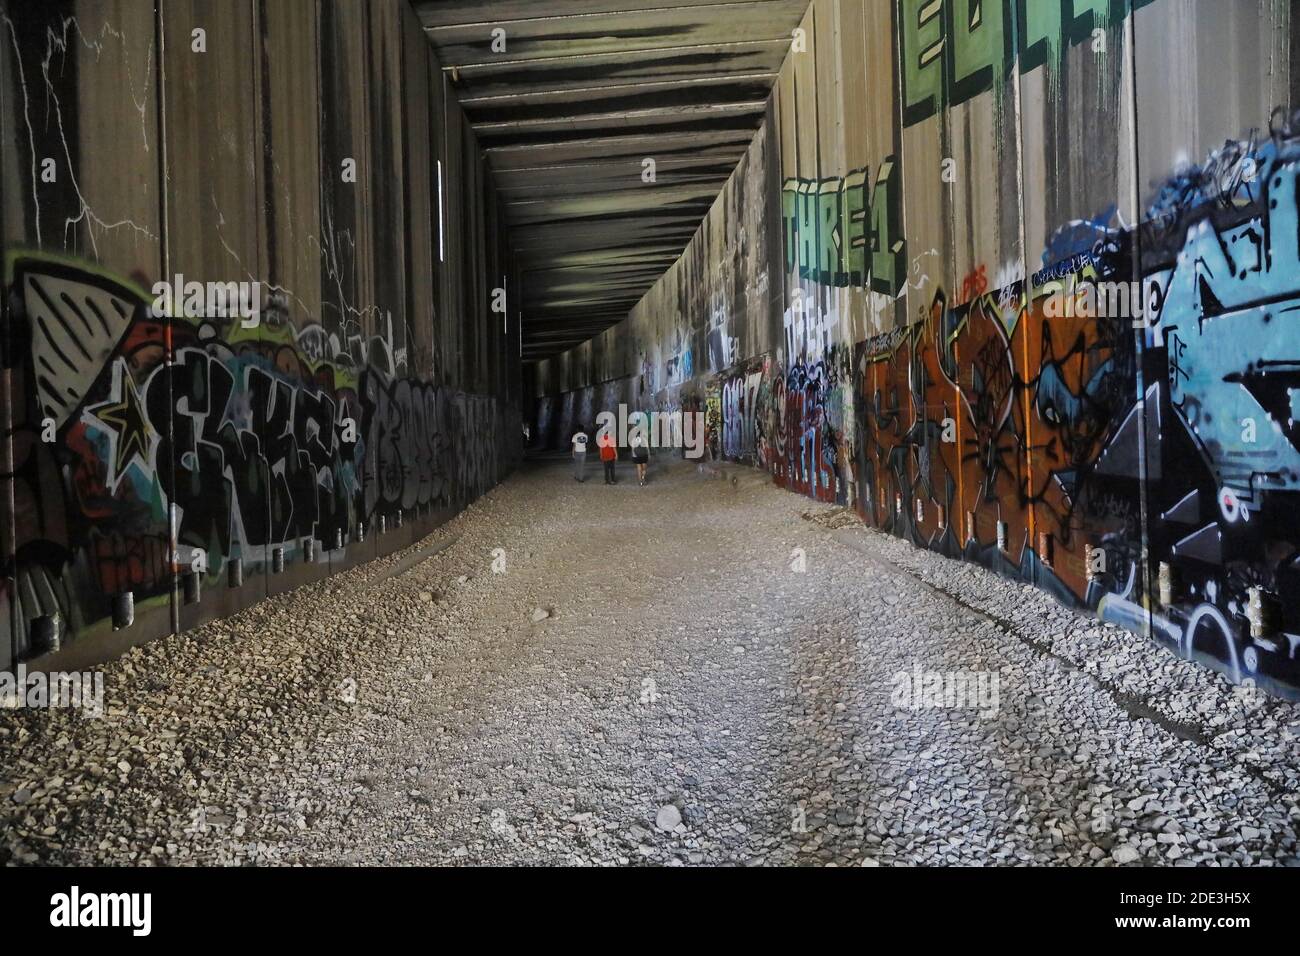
(438,239)
(1084,169)
(786,162)
(757,285)
(291,69)
(1206,72)
(914,478)
(10,625)
(472,277)
(216,233)
(808,311)
(832,134)
(853,94)
(925,151)
(386,392)
(215,176)
(388,177)
(455,184)
(770,283)
(1075,372)
(475,276)
(890,259)
(422,427)
(349,310)
(984,190)
(980,299)
(496,320)
(300,441)
(717,308)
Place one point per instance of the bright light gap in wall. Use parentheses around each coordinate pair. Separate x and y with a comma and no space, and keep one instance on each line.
(442,245)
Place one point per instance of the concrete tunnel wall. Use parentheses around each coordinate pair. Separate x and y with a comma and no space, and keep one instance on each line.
(868,311)
(199,463)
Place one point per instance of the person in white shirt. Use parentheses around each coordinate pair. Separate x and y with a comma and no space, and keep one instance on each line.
(579,453)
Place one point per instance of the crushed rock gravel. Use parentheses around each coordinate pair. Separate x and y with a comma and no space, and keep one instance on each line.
(690,672)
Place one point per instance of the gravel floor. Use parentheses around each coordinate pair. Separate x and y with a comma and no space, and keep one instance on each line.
(690,698)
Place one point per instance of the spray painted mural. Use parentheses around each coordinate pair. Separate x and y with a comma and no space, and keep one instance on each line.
(1223,367)
(1033,438)
(148,448)
(847,231)
(953,50)
(170,460)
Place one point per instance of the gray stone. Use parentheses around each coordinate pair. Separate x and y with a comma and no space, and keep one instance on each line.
(668,817)
(1126,854)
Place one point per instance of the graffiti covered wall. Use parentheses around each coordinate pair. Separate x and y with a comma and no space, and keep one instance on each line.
(1031,304)
(168,460)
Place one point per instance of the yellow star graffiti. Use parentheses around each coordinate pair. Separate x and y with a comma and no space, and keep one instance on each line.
(126,419)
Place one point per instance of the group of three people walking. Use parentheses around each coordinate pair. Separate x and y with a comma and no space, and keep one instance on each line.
(609,455)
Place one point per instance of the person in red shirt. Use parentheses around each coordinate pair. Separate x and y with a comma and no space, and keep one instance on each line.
(608,455)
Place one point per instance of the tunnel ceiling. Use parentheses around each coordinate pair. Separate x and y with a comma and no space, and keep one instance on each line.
(584,92)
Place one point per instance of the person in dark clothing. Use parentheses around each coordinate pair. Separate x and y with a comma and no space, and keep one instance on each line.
(640,457)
